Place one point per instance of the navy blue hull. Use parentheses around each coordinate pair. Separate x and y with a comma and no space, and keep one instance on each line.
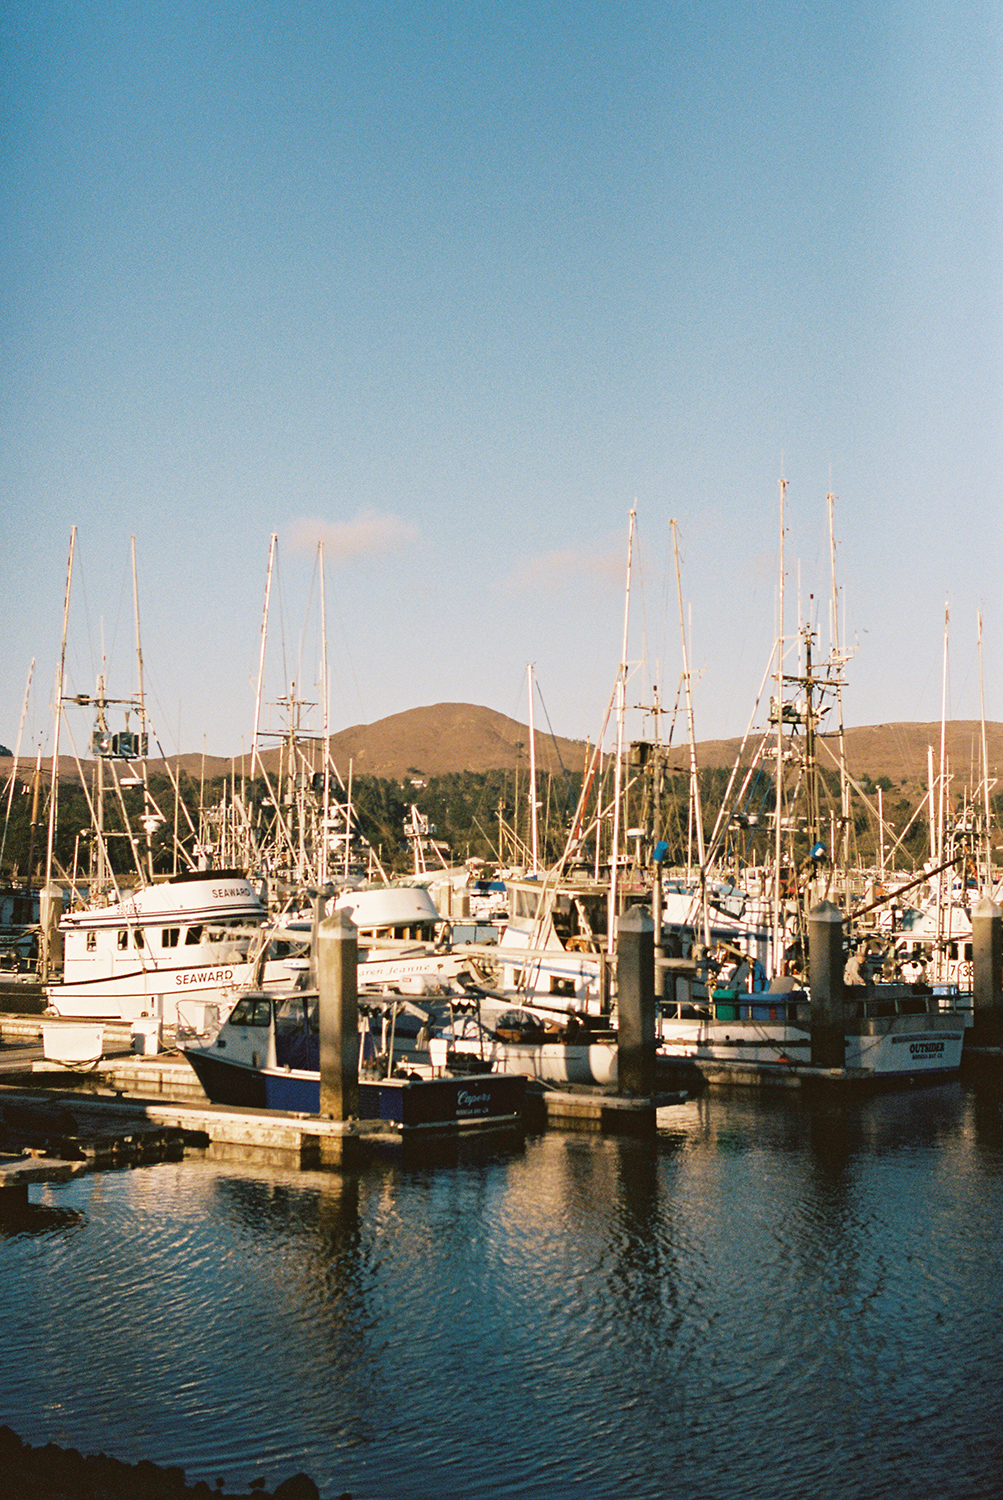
(411,1104)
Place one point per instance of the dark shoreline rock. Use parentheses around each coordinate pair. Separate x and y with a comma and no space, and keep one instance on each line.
(54,1473)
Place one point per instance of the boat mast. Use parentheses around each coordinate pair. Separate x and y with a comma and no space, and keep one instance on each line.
(322,842)
(778,778)
(844,785)
(60,678)
(261,656)
(694,779)
(534,830)
(46,934)
(941,799)
(621,688)
(987,852)
(148,822)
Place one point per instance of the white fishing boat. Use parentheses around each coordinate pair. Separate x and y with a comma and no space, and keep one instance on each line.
(893,1033)
(191,941)
(402,942)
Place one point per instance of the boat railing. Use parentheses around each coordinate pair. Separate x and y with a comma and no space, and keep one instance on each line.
(881,1001)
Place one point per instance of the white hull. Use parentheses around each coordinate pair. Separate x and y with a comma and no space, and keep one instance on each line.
(551,1062)
(905,1046)
(159,991)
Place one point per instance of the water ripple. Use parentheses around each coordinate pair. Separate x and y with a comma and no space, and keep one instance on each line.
(775,1298)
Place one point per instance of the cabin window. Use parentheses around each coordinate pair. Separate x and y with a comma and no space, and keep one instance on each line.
(968,952)
(169,937)
(252,1010)
(525,903)
(92,941)
(193,935)
(290,1019)
(123,938)
(137,938)
(562,986)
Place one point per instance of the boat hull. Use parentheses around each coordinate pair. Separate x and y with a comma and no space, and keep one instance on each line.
(464,1102)
(897,1048)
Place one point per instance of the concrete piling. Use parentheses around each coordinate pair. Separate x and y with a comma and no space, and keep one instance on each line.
(50,904)
(635,973)
(825,977)
(987,975)
(338,1007)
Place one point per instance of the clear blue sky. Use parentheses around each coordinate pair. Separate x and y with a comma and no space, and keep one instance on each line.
(454,286)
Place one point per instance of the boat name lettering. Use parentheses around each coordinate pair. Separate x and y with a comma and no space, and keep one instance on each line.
(220,892)
(204,976)
(467,1101)
(925,1048)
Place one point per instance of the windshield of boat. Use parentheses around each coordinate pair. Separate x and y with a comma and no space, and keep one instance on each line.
(252,1010)
(290,1015)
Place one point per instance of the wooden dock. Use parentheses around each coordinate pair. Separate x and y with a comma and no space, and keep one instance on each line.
(595,1109)
(17,1173)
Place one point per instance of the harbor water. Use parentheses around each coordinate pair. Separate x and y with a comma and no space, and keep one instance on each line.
(777,1297)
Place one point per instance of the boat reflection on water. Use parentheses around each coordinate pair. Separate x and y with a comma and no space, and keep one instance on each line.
(772,1288)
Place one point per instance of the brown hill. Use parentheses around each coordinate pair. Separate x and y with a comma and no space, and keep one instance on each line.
(449,737)
(898,751)
(432,741)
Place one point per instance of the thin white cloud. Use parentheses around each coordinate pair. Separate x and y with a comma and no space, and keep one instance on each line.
(366,534)
(564,567)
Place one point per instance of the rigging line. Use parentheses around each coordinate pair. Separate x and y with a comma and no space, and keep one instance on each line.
(98,832)
(553,736)
(176,786)
(17,753)
(127,824)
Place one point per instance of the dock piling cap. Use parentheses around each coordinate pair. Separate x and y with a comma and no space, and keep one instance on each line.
(338,925)
(825,911)
(637,919)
